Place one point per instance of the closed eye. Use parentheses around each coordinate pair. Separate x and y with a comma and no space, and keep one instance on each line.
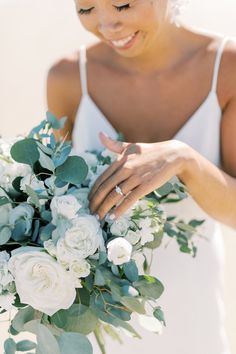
(85,11)
(123,7)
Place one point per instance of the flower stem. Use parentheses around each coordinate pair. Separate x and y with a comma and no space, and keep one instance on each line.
(98,336)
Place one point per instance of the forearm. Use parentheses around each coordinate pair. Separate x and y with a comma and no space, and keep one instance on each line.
(210,187)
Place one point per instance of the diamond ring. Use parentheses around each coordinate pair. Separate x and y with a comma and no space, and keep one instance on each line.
(119,191)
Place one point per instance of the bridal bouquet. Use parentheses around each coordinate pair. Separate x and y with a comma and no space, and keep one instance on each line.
(65,273)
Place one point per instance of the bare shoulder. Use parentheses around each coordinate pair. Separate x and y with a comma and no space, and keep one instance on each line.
(63,80)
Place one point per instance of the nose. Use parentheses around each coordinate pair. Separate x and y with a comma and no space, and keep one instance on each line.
(109,26)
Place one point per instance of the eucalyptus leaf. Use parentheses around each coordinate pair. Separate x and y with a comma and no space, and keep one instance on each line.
(133,304)
(4,201)
(25,345)
(10,346)
(5,235)
(45,161)
(60,156)
(99,279)
(74,343)
(149,286)
(54,122)
(74,170)
(22,317)
(25,151)
(165,189)
(131,271)
(44,148)
(34,199)
(46,342)
(159,314)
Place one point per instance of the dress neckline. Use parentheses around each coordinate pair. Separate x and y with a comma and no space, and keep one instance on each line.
(211,95)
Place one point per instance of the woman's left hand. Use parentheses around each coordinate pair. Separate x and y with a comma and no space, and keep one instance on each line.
(139,169)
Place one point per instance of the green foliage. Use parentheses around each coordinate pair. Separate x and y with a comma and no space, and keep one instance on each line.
(5,235)
(54,122)
(74,343)
(25,151)
(46,342)
(74,170)
(10,346)
(131,271)
(159,314)
(149,287)
(22,317)
(25,345)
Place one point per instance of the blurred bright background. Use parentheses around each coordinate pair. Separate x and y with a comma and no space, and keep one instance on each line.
(33,34)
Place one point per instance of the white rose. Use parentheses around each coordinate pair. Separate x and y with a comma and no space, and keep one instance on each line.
(42,282)
(53,189)
(119,251)
(7,301)
(64,207)
(80,241)
(22,212)
(133,237)
(120,226)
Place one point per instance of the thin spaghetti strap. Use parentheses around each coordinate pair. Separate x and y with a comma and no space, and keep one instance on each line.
(83,72)
(217,63)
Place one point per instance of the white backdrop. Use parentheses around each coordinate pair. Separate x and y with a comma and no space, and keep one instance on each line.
(34,34)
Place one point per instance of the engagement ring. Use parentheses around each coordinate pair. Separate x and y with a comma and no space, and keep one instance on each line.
(119,191)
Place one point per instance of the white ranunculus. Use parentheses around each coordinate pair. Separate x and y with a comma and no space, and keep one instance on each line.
(64,207)
(22,212)
(150,323)
(42,282)
(119,251)
(53,189)
(80,268)
(133,237)
(7,301)
(81,240)
(120,226)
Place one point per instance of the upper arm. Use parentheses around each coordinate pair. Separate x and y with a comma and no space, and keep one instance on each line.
(63,94)
(228,126)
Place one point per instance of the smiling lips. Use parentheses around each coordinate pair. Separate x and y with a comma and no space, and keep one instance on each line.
(123,42)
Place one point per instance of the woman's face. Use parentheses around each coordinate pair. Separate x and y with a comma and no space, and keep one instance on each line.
(127,26)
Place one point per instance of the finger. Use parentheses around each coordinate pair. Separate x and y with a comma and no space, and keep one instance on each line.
(114,198)
(128,202)
(106,187)
(107,174)
(111,144)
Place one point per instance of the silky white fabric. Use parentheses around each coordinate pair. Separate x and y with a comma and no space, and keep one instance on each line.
(193,297)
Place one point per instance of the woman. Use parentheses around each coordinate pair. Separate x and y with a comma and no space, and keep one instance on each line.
(171,91)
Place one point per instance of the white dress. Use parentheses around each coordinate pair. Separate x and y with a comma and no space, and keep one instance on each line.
(193,297)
